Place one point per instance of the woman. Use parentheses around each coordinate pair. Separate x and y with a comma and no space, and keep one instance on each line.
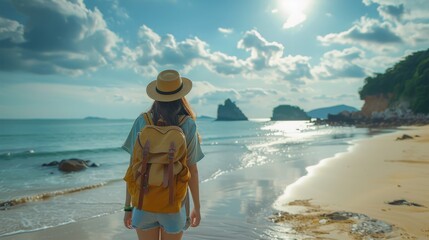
(168,91)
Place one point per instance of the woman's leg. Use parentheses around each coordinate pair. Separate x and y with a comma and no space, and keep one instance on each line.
(151,234)
(168,236)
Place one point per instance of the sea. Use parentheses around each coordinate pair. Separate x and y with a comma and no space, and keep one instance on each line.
(247,166)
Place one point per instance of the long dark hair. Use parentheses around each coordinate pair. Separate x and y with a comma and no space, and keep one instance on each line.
(168,112)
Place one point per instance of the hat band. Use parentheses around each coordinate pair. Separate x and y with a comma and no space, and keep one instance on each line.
(169,93)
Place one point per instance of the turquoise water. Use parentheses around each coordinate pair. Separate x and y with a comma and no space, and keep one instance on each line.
(247,166)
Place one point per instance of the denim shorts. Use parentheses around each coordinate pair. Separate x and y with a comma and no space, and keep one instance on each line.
(171,222)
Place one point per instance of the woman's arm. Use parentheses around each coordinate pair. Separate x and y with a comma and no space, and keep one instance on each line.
(127,194)
(127,214)
(195,192)
(127,197)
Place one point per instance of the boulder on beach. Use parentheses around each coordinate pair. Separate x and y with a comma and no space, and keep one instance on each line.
(404,202)
(404,137)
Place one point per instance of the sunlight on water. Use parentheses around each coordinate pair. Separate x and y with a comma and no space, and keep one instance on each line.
(296,130)
(253,159)
(245,168)
(287,126)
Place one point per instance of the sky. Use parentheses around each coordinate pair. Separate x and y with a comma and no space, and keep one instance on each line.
(78,58)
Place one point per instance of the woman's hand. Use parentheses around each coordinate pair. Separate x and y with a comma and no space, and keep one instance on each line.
(195,217)
(127,219)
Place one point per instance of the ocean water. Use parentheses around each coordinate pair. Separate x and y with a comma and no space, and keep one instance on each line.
(246,168)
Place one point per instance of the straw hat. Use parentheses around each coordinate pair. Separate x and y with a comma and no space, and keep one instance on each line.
(168,86)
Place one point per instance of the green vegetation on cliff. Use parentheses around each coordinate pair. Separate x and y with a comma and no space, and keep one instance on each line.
(407,80)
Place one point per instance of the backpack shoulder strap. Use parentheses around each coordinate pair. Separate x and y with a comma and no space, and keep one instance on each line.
(149,121)
(147,118)
(182,119)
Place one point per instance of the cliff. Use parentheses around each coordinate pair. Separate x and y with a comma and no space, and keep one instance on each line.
(397,97)
(374,104)
(230,112)
(405,86)
(287,112)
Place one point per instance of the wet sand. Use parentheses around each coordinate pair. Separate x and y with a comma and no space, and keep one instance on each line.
(363,180)
(237,204)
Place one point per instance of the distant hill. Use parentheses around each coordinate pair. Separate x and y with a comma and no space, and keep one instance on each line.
(323,112)
(94,118)
(288,113)
(406,82)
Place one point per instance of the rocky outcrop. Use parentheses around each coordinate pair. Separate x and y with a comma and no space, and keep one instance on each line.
(230,112)
(71,165)
(373,104)
(288,113)
(323,112)
(387,119)
(51,164)
(405,81)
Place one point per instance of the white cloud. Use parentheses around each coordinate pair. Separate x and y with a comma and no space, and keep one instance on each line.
(155,51)
(225,64)
(11,30)
(294,20)
(119,11)
(61,100)
(262,53)
(266,58)
(254,102)
(336,98)
(337,65)
(413,10)
(204,90)
(414,33)
(403,25)
(368,33)
(390,12)
(269,56)
(225,30)
(295,12)
(57,37)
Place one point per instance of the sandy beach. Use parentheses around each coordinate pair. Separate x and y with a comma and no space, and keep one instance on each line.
(363,180)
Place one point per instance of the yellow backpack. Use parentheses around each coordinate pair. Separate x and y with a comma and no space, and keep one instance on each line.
(158,174)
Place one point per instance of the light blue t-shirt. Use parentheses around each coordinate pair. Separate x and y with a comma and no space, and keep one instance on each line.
(189,129)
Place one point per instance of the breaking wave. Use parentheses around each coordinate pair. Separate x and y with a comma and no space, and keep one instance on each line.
(44,196)
(33,153)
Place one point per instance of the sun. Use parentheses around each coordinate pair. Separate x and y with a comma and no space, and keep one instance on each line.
(294,10)
(293,7)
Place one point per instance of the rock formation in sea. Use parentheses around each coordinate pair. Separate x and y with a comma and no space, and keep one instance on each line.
(71,165)
(230,112)
(288,112)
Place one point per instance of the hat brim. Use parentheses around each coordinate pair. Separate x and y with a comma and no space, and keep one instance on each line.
(152,93)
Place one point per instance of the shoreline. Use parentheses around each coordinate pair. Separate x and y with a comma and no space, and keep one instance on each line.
(236,190)
(93,228)
(363,180)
